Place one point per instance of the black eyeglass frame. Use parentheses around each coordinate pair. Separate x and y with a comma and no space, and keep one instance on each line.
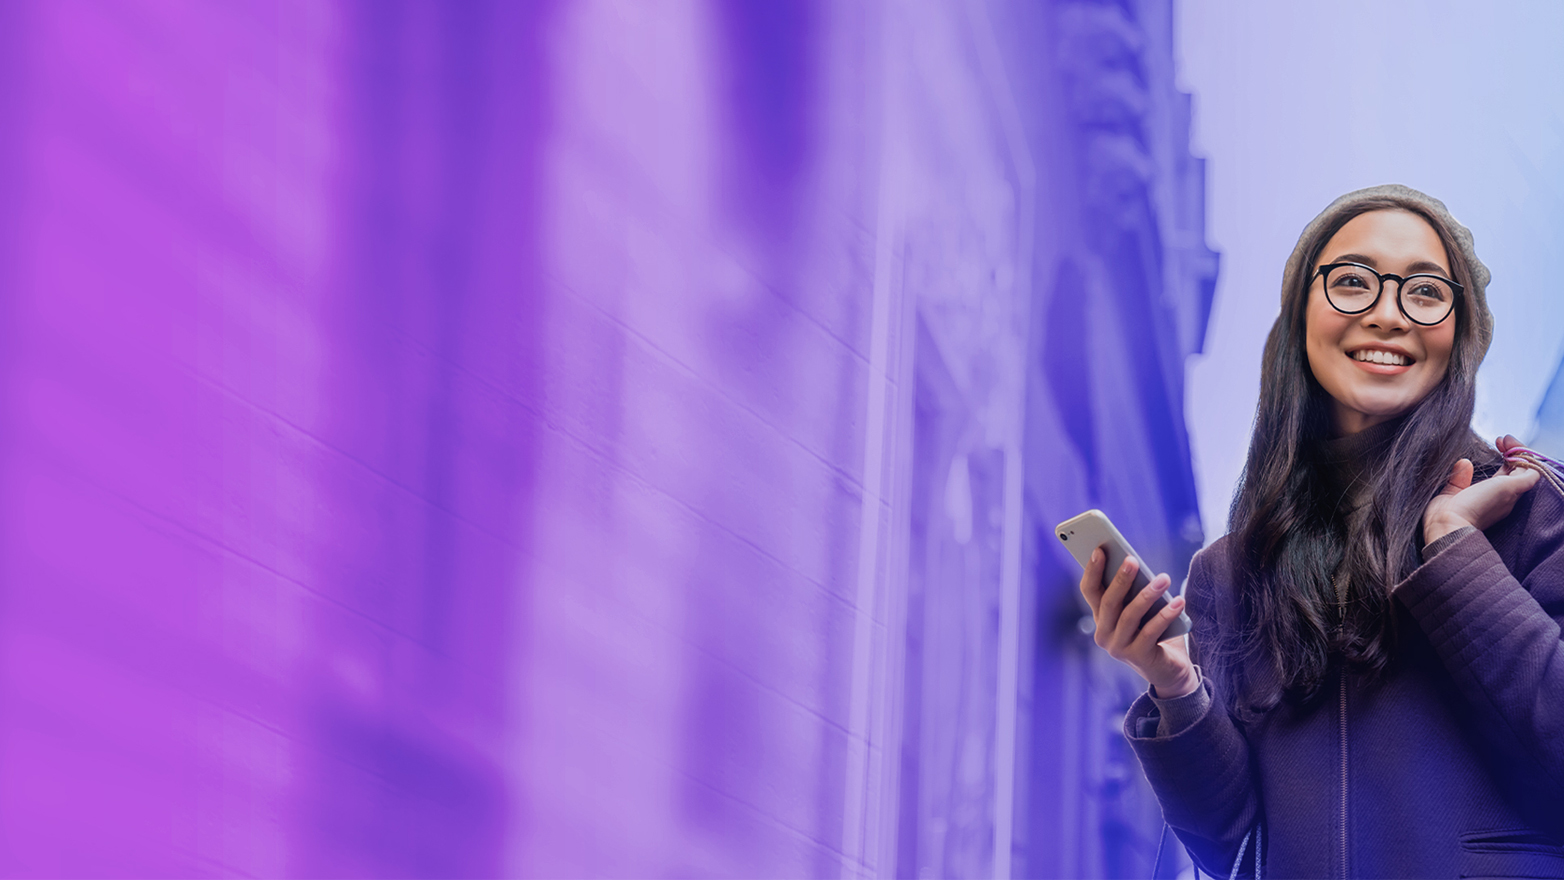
(1401,286)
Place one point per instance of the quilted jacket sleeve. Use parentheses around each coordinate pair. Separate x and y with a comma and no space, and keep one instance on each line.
(1492,605)
(1201,774)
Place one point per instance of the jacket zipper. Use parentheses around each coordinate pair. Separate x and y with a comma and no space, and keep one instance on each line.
(1343,773)
(1341,600)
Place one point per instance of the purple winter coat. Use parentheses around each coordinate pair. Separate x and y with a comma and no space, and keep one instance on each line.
(1453,765)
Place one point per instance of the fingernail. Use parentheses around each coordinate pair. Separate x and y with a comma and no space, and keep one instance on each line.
(1097,554)
(1178,602)
(1160,585)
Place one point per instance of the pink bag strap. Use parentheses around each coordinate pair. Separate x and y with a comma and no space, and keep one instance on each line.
(1551,469)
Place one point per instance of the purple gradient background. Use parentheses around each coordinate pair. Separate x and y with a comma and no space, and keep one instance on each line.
(619,438)
(270,429)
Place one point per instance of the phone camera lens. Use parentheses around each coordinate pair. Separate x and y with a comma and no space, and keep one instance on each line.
(1063,537)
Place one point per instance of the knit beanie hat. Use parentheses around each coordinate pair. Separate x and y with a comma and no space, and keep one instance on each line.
(1297,272)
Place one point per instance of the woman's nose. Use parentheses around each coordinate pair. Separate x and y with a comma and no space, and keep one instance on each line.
(1386,313)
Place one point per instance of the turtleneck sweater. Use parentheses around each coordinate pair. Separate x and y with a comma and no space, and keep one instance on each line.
(1349,462)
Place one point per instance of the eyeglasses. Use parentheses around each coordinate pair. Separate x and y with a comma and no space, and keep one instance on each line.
(1353,288)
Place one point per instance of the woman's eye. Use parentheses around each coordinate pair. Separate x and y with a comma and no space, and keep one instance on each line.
(1428,290)
(1349,279)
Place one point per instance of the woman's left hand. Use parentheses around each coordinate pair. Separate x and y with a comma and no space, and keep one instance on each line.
(1462,504)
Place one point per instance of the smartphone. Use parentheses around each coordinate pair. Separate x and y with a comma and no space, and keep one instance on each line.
(1092,529)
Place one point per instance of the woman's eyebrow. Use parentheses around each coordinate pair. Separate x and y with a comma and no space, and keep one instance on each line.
(1357,258)
(1426,266)
(1419,266)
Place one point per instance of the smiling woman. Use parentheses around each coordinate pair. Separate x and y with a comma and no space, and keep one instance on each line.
(1379,634)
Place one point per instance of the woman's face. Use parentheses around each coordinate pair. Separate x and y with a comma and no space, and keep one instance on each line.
(1409,359)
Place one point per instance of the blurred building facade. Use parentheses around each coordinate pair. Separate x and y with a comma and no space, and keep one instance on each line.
(949,270)
(584,438)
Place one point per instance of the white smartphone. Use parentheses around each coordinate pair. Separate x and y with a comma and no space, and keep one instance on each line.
(1092,529)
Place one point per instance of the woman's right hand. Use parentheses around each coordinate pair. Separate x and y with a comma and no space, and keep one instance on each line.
(1165,665)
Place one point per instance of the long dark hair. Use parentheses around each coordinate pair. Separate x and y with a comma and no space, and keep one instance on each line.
(1291,537)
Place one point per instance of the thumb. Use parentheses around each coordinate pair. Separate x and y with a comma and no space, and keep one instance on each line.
(1460,477)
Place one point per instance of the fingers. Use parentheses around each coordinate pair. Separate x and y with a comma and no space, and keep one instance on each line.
(1091,579)
(1128,622)
(1504,445)
(1151,633)
(1505,488)
(1129,619)
(1118,628)
(1519,481)
(1490,505)
(1118,590)
(1481,505)
(1111,605)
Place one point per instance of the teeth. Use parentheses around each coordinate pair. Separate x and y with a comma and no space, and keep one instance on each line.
(1381,357)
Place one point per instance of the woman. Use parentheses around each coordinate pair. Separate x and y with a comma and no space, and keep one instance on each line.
(1381,682)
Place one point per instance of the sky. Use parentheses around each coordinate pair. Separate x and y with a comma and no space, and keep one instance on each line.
(1295,104)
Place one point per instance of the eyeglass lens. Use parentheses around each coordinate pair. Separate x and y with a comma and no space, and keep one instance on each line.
(1426,299)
